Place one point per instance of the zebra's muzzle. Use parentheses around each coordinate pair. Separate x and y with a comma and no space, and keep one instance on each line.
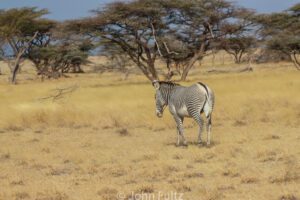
(159,114)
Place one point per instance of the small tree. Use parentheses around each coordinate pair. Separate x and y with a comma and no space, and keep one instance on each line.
(288,45)
(21,29)
(62,53)
(281,32)
(237,46)
(55,60)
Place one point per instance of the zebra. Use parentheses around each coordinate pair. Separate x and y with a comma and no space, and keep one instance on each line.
(185,102)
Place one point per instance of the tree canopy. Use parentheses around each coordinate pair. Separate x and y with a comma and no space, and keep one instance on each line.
(20,30)
(140,29)
(281,32)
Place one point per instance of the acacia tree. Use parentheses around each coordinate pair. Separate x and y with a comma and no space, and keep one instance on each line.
(64,53)
(281,31)
(21,29)
(54,61)
(140,28)
(199,23)
(131,26)
(237,46)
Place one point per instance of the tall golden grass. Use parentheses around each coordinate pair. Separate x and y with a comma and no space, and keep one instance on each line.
(261,96)
(104,139)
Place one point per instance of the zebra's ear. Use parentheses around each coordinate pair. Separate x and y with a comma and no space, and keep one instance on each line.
(155,84)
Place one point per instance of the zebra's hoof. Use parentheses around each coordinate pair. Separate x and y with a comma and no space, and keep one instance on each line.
(178,144)
(184,144)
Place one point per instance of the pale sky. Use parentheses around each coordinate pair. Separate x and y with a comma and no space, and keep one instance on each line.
(70,9)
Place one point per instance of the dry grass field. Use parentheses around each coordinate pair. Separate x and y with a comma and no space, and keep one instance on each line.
(104,140)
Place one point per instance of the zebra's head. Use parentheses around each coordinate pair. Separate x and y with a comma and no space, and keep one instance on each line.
(159,100)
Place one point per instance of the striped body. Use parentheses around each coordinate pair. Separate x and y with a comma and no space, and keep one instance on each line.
(185,102)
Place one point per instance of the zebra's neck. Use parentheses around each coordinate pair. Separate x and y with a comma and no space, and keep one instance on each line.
(166,91)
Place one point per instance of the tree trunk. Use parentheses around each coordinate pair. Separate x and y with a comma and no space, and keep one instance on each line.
(152,69)
(16,68)
(295,60)
(234,55)
(145,72)
(236,59)
(191,63)
(240,56)
(14,73)
(149,70)
(189,66)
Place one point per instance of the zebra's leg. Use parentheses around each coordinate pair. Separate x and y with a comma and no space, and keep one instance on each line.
(180,134)
(208,129)
(198,119)
(178,138)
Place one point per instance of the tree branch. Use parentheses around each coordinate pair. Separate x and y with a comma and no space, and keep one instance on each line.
(154,37)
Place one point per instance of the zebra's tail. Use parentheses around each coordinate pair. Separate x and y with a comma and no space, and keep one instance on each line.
(210,100)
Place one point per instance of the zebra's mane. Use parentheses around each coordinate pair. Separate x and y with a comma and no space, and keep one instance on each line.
(169,83)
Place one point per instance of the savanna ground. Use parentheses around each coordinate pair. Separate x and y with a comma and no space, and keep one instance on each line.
(104,139)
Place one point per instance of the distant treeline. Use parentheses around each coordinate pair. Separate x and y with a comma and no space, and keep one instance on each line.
(178,32)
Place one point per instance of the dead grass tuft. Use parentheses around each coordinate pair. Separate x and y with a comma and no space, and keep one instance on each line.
(231,173)
(38,167)
(117,172)
(288,197)
(49,196)
(239,123)
(213,194)
(226,187)
(150,157)
(38,131)
(59,171)
(272,137)
(182,188)
(21,195)
(20,182)
(177,157)
(14,128)
(194,175)
(249,180)
(108,193)
(290,175)
(45,150)
(267,156)
(34,140)
(145,189)
(5,156)
(200,160)
(171,169)
(123,132)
